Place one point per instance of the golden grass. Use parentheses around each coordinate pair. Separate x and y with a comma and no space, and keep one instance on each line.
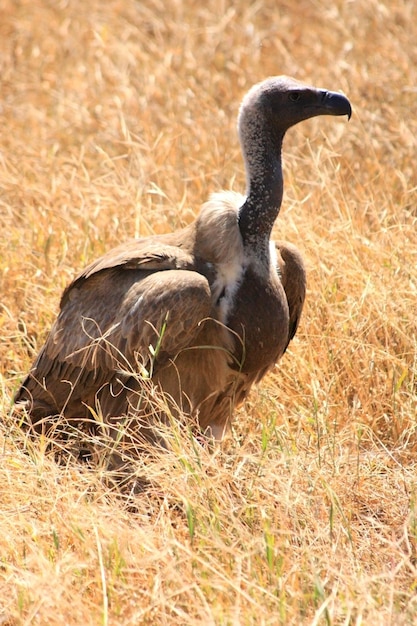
(118,119)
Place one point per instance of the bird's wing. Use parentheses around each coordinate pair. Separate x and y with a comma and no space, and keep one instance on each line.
(150,254)
(119,312)
(291,270)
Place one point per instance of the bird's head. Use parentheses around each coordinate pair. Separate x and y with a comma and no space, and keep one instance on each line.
(280,102)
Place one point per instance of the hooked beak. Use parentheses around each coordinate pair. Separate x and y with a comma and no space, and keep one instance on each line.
(334,103)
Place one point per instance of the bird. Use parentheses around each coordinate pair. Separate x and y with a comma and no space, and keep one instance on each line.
(197,316)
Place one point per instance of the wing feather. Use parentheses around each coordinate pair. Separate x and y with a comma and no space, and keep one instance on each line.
(292,272)
(150,253)
(113,317)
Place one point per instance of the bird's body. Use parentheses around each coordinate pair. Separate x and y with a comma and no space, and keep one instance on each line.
(203,313)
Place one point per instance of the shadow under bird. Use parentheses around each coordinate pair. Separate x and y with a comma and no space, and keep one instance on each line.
(200,314)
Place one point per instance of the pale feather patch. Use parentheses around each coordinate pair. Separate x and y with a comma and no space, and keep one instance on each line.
(274,263)
(273,254)
(225,251)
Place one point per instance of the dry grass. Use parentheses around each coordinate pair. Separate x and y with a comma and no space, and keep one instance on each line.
(118,118)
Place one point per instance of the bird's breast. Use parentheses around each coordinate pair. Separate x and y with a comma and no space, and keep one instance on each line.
(259,319)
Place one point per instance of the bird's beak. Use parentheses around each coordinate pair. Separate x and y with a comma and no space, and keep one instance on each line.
(334,103)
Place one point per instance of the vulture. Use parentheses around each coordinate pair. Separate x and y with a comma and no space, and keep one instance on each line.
(196,316)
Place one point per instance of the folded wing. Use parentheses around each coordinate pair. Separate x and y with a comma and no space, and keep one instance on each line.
(120,316)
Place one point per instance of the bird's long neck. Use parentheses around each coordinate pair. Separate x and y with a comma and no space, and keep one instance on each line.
(262,154)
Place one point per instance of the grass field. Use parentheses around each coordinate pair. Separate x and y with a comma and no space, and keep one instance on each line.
(118,119)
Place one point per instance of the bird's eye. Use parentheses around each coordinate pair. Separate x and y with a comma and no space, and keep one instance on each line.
(294,96)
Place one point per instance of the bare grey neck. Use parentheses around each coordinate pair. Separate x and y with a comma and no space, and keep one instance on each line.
(261,148)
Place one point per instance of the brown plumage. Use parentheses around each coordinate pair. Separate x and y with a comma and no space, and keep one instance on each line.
(217,301)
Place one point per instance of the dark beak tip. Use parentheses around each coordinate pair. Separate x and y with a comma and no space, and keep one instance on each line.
(338,104)
(346,107)
(349,111)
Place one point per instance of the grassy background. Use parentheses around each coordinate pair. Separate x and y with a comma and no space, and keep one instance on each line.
(118,118)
